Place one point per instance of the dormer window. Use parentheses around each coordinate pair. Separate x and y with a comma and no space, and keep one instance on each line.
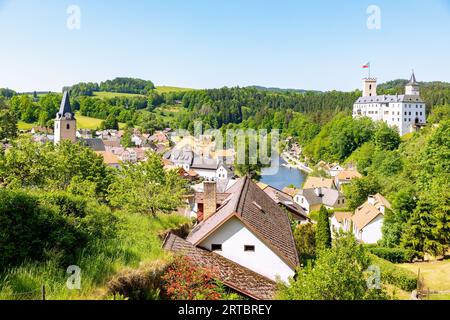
(249,248)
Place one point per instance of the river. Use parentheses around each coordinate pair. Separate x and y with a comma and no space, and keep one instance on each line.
(284,177)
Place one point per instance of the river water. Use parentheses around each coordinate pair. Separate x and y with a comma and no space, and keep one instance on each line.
(284,177)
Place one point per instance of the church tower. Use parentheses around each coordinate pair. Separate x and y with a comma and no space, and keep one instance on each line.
(369,87)
(412,88)
(65,123)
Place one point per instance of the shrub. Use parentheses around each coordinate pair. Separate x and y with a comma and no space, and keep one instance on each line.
(392,274)
(394,255)
(305,240)
(35,226)
(185,281)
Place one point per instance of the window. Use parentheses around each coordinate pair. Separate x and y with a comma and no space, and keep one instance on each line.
(248,248)
(216,247)
(68,126)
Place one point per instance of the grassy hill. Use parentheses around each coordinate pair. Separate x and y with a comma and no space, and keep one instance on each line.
(160,90)
(165,89)
(82,123)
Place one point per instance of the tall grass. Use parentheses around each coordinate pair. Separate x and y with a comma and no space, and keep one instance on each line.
(136,242)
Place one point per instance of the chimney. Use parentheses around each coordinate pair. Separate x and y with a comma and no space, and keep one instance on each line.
(318,192)
(210,199)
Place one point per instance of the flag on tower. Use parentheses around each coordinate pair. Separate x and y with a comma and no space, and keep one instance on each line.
(366,66)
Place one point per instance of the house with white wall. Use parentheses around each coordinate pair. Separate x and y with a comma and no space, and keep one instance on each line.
(367,221)
(314,198)
(248,228)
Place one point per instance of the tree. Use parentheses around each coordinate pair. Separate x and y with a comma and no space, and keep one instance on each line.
(8,125)
(305,240)
(386,137)
(359,190)
(395,220)
(110,123)
(439,113)
(323,231)
(33,165)
(428,229)
(339,273)
(126,141)
(147,188)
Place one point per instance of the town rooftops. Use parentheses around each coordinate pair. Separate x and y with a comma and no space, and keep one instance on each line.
(259,213)
(233,275)
(95,144)
(109,158)
(389,98)
(371,209)
(317,182)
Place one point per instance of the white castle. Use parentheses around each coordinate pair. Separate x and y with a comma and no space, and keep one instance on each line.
(406,112)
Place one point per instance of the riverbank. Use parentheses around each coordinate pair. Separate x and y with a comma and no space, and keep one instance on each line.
(297,164)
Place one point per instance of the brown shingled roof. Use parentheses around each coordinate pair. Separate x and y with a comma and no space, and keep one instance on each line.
(259,213)
(366,213)
(228,272)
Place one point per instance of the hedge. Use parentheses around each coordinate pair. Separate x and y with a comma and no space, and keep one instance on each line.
(394,255)
(394,275)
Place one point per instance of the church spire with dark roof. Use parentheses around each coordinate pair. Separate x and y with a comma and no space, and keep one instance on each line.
(65,110)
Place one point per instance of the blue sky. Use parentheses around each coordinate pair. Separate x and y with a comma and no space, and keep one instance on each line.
(213,43)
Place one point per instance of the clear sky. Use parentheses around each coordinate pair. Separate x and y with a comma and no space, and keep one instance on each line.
(213,43)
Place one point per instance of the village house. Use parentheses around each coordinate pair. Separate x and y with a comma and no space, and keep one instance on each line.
(313,199)
(367,220)
(247,230)
(340,221)
(291,191)
(287,202)
(318,182)
(208,168)
(335,170)
(110,159)
(345,177)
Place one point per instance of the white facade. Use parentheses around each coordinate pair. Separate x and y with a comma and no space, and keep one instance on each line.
(372,232)
(234,236)
(400,111)
(335,170)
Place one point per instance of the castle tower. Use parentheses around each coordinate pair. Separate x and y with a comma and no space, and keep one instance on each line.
(65,123)
(369,87)
(412,88)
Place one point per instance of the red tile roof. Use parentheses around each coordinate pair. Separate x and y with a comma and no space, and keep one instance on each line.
(228,272)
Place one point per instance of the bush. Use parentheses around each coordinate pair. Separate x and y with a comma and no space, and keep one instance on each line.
(305,240)
(391,274)
(36,227)
(394,255)
(185,281)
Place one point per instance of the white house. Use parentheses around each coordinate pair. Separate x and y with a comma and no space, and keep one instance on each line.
(405,112)
(312,199)
(208,168)
(340,221)
(248,228)
(335,170)
(367,220)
